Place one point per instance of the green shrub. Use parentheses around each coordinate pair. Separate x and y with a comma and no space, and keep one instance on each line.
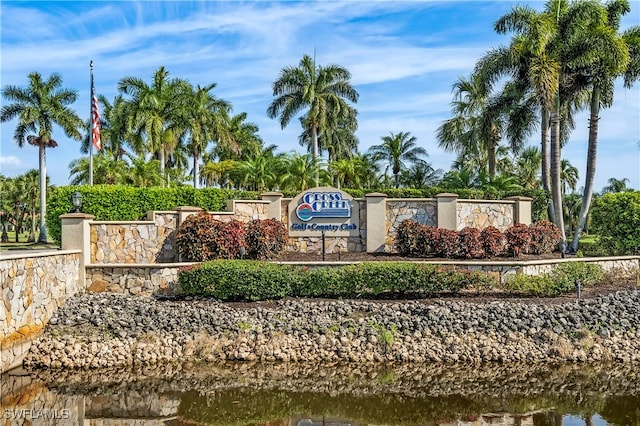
(561,280)
(616,220)
(238,280)
(250,280)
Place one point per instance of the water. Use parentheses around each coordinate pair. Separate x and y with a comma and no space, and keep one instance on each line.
(310,395)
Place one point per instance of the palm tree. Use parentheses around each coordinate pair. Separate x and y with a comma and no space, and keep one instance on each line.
(205,120)
(38,107)
(569,176)
(144,173)
(420,175)
(477,124)
(322,91)
(218,173)
(301,171)
(107,170)
(616,185)
(619,54)
(338,138)
(31,188)
(260,172)
(396,151)
(155,111)
(528,165)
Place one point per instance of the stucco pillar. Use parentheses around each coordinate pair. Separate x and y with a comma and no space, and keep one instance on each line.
(76,235)
(521,209)
(376,222)
(447,211)
(184,212)
(274,211)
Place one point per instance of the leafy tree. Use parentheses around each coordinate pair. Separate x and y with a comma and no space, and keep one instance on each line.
(322,91)
(107,170)
(38,107)
(420,175)
(397,151)
(528,165)
(569,176)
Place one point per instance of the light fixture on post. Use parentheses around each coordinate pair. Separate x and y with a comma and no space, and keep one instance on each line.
(76,200)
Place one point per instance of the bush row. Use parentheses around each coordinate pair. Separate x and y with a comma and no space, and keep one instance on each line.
(561,280)
(414,239)
(201,237)
(251,280)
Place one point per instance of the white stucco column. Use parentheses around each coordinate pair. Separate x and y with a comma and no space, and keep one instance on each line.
(274,211)
(521,209)
(376,222)
(447,211)
(76,235)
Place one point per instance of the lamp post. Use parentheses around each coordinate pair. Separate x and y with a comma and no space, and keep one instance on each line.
(76,200)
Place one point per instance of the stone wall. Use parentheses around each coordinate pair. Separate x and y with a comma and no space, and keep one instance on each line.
(34,285)
(423,211)
(134,280)
(482,214)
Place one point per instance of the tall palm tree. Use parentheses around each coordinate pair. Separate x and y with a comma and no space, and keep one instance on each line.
(338,139)
(107,170)
(205,119)
(155,111)
(619,54)
(397,151)
(38,107)
(476,125)
(31,189)
(322,91)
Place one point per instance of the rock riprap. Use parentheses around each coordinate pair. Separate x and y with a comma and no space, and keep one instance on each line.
(98,330)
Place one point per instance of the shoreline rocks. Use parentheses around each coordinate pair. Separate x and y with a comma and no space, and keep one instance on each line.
(99,330)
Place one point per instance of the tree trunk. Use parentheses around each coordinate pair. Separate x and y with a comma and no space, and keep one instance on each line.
(164,178)
(314,141)
(32,235)
(591,167)
(492,158)
(42,238)
(556,181)
(196,170)
(545,174)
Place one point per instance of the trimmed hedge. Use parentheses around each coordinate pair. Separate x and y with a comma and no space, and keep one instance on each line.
(561,280)
(114,202)
(251,280)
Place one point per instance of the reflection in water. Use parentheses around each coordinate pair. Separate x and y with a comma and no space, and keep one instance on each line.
(311,395)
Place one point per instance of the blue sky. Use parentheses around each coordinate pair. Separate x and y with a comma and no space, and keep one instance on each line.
(403,56)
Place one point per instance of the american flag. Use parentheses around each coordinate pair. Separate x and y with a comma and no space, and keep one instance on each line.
(95,119)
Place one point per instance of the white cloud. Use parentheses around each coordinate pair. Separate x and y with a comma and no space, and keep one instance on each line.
(10,162)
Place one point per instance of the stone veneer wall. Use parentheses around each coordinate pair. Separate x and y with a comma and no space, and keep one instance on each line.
(332,244)
(134,280)
(33,285)
(423,211)
(483,214)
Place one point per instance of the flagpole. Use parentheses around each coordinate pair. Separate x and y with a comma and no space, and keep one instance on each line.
(91,127)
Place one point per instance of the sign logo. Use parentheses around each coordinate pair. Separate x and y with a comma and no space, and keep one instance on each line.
(323,205)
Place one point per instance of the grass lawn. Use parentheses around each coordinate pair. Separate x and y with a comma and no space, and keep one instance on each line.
(22,243)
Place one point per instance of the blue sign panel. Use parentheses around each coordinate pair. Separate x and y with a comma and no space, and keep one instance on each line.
(315,205)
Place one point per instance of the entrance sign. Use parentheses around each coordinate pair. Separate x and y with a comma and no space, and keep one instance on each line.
(324,209)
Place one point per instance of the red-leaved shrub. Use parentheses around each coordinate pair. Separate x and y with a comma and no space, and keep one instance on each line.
(545,236)
(492,240)
(518,239)
(445,242)
(265,239)
(199,238)
(407,237)
(469,243)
